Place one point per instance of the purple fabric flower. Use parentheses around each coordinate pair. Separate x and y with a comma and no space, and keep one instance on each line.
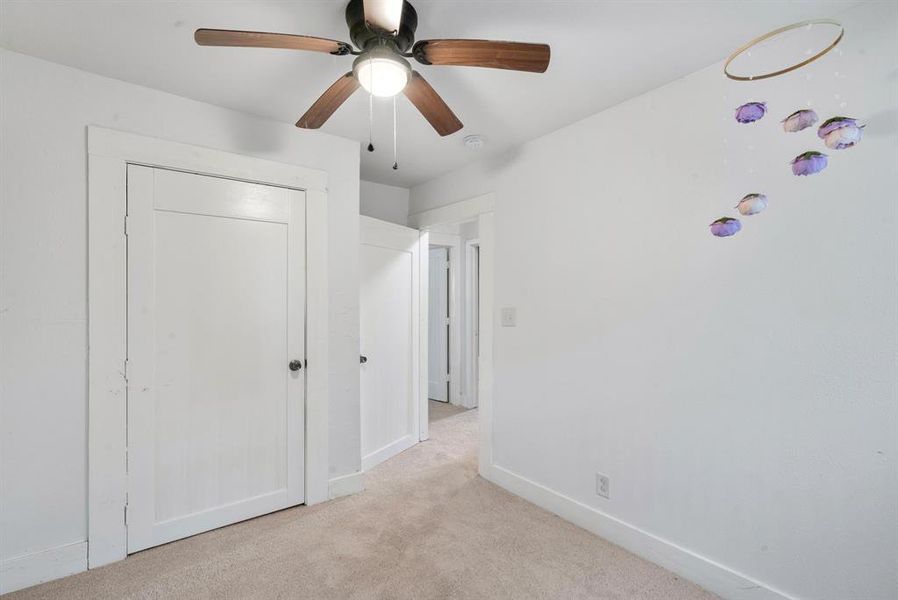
(800,119)
(725,227)
(833,124)
(809,163)
(752,204)
(839,133)
(751,112)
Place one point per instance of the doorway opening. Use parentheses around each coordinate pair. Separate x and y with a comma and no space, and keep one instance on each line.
(453,304)
(471,220)
(438,345)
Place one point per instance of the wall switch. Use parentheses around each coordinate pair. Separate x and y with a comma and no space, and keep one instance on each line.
(509,316)
(603,486)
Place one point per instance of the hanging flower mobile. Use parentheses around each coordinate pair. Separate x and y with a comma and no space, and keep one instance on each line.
(751,112)
(800,119)
(839,133)
(809,163)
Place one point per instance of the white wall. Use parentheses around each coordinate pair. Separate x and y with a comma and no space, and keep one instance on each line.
(740,393)
(43,275)
(384,202)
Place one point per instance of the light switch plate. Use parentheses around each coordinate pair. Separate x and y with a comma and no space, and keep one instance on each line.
(509,316)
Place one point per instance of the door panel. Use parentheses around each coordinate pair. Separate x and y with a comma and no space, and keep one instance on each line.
(438,326)
(216,305)
(388,315)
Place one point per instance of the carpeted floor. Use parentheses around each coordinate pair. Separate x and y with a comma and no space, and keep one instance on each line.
(427,528)
(442,410)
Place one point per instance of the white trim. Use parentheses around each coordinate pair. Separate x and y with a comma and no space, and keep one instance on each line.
(472,282)
(317,362)
(453,243)
(485,223)
(156,152)
(109,153)
(692,566)
(20,572)
(458,212)
(346,485)
(389,451)
(423,335)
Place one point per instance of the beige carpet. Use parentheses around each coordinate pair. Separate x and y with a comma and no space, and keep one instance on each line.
(427,527)
(442,410)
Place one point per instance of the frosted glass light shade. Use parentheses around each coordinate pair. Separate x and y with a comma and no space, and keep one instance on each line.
(383,74)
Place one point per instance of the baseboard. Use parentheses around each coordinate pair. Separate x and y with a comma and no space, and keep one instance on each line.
(388,451)
(31,569)
(701,570)
(346,485)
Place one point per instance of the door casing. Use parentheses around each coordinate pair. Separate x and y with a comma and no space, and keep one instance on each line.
(109,154)
(184,205)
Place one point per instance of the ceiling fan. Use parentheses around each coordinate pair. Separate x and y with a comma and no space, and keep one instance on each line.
(383,32)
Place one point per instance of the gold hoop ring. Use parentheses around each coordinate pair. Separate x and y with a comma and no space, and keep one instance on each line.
(775,33)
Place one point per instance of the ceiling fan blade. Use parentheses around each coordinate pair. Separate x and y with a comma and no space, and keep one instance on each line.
(429,103)
(260,39)
(329,101)
(385,15)
(516,56)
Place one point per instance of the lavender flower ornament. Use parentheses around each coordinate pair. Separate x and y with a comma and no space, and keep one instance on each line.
(839,133)
(800,119)
(725,227)
(809,163)
(751,112)
(752,204)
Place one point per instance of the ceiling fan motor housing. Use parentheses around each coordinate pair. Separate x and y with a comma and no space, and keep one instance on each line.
(365,37)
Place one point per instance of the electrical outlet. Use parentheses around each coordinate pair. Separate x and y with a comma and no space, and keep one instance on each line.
(603,485)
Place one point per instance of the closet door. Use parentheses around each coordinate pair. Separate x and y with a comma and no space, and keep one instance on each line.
(216,337)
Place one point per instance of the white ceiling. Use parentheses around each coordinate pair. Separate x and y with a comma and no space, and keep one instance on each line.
(602,53)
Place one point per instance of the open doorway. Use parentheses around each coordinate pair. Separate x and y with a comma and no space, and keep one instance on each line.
(438,377)
(468,227)
(453,304)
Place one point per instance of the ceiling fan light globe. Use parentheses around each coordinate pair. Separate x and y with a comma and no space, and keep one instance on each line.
(383,75)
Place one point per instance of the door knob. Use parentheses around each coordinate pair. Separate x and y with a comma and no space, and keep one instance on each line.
(363,359)
(295,365)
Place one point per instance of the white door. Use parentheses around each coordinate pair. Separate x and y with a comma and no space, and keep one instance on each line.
(216,314)
(389,306)
(438,326)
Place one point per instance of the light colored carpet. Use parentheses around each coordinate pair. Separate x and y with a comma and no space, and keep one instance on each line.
(443,410)
(427,527)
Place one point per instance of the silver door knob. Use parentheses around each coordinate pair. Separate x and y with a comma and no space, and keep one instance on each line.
(295,365)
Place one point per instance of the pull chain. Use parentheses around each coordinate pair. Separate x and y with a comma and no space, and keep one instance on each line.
(370,122)
(370,111)
(395,146)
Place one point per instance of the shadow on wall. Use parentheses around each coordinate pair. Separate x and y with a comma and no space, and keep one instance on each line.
(883,124)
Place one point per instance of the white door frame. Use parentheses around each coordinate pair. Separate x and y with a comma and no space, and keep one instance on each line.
(480,208)
(109,153)
(472,281)
(453,243)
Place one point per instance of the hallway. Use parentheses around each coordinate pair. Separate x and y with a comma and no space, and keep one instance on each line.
(426,527)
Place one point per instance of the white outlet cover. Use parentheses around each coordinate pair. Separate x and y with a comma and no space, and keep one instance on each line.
(509,316)
(603,486)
